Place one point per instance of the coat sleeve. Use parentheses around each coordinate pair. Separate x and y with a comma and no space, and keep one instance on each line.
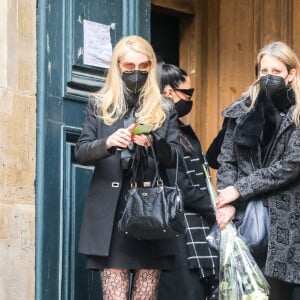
(277,175)
(195,199)
(214,149)
(89,148)
(166,140)
(227,172)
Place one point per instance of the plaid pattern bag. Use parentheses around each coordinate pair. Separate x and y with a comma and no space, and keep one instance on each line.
(200,256)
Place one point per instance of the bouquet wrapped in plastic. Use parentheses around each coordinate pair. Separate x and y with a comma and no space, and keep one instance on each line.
(240,278)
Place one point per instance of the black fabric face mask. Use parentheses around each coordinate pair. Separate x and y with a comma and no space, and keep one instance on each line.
(277,91)
(183,107)
(135,80)
(272,84)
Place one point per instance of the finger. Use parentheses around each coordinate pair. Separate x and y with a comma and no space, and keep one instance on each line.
(141,140)
(145,140)
(219,204)
(124,135)
(220,218)
(221,225)
(121,141)
(218,214)
(137,139)
(129,128)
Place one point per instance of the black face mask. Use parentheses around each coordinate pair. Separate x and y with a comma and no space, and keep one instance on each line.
(183,107)
(272,84)
(277,91)
(135,80)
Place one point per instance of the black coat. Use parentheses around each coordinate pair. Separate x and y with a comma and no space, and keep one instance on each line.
(276,179)
(106,183)
(195,261)
(214,149)
(191,178)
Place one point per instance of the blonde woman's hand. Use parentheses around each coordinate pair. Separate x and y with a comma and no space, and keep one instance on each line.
(227,195)
(225,215)
(141,139)
(120,138)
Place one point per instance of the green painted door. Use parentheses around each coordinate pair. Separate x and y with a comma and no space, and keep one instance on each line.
(65,81)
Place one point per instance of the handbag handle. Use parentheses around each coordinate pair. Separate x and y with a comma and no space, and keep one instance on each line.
(157,177)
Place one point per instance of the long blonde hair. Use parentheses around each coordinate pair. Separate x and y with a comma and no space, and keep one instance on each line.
(110,104)
(286,55)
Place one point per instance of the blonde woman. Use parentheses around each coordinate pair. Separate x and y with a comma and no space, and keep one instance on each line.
(130,95)
(260,156)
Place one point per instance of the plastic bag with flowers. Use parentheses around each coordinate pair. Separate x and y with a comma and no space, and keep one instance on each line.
(240,277)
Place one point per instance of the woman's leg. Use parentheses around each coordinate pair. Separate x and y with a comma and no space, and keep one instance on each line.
(115,284)
(296,292)
(145,284)
(279,289)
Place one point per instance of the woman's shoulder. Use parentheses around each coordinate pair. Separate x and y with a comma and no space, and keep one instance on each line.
(237,108)
(95,99)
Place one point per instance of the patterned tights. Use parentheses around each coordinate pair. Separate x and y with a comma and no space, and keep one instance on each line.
(116,282)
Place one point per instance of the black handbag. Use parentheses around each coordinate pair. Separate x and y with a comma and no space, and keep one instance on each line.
(154,212)
(252,226)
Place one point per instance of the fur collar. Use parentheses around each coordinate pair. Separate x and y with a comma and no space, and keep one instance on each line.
(258,125)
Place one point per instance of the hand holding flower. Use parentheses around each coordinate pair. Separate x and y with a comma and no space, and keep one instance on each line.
(120,138)
(225,215)
(141,140)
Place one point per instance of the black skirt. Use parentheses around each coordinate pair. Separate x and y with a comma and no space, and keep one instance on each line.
(126,252)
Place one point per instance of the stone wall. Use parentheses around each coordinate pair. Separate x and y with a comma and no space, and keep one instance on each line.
(17,148)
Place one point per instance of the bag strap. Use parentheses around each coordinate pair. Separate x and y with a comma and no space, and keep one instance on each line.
(157,178)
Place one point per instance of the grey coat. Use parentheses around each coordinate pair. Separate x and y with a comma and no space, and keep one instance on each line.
(106,183)
(278,178)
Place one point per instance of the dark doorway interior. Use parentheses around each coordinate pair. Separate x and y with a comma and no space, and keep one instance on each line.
(165,37)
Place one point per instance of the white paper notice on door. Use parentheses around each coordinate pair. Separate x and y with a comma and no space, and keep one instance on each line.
(97,48)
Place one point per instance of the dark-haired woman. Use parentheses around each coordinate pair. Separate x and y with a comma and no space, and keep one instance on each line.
(196,264)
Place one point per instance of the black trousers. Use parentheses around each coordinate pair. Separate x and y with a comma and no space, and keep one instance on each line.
(184,283)
(283,290)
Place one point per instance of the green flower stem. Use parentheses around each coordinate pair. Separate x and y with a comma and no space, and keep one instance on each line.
(211,190)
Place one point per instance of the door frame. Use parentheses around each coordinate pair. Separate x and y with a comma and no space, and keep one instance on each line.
(40,141)
(192,49)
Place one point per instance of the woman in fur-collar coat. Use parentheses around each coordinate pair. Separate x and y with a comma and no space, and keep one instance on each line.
(260,156)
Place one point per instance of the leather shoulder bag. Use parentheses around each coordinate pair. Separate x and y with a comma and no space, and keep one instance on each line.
(154,212)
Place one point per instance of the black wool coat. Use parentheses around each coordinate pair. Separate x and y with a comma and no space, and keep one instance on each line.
(106,183)
(195,261)
(198,207)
